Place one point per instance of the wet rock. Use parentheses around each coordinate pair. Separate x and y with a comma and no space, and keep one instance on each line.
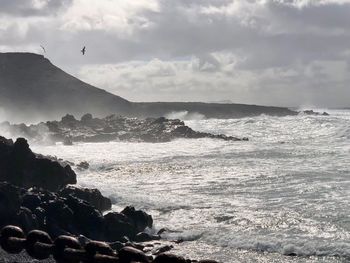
(144,237)
(83,165)
(86,118)
(163,249)
(169,258)
(67,141)
(21,167)
(10,202)
(117,245)
(112,127)
(31,201)
(118,225)
(88,220)
(130,254)
(26,219)
(138,218)
(92,196)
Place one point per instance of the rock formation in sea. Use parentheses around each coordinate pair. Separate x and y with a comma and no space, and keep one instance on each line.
(110,128)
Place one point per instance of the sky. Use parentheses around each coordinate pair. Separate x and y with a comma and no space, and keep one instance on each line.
(267,52)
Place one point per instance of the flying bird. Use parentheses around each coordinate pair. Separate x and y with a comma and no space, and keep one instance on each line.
(43,49)
(83,50)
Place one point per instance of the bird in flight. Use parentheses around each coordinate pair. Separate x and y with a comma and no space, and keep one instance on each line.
(43,49)
(83,50)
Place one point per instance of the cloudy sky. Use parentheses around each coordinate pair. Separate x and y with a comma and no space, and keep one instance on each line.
(270,52)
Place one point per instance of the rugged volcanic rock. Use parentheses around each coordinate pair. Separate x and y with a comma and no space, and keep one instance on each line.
(20,166)
(92,196)
(311,112)
(62,213)
(110,128)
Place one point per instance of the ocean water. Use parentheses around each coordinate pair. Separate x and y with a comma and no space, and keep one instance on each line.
(286,191)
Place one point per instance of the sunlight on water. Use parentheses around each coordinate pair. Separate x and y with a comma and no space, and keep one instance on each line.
(286,191)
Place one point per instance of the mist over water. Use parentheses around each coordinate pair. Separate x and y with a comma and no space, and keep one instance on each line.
(286,191)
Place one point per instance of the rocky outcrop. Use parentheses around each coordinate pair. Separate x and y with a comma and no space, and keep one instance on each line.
(21,167)
(92,196)
(63,213)
(312,112)
(113,127)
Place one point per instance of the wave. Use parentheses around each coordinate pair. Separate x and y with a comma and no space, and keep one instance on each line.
(185,115)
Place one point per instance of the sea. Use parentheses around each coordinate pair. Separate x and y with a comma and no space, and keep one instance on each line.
(282,196)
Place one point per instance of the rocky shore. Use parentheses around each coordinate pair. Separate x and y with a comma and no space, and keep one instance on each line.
(36,193)
(110,128)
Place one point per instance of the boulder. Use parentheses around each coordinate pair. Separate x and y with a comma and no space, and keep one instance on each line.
(118,225)
(130,254)
(86,118)
(168,258)
(92,196)
(21,167)
(88,220)
(26,220)
(138,218)
(10,202)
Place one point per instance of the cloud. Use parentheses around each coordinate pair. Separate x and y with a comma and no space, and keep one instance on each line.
(254,51)
(32,7)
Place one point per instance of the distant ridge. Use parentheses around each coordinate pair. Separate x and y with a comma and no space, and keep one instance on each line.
(33,89)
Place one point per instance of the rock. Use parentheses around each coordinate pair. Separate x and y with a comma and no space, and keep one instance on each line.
(83,165)
(68,120)
(168,258)
(21,167)
(117,225)
(130,254)
(67,141)
(10,202)
(86,118)
(138,218)
(88,220)
(31,201)
(110,128)
(163,249)
(117,245)
(92,196)
(144,237)
(26,220)
(7,142)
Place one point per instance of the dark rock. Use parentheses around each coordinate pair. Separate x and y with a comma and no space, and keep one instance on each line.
(67,141)
(144,237)
(117,245)
(163,249)
(139,219)
(31,201)
(68,120)
(92,196)
(88,220)
(130,254)
(86,118)
(83,165)
(112,128)
(10,202)
(26,219)
(118,225)
(20,166)
(169,258)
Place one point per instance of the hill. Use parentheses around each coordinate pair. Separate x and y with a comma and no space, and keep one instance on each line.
(33,89)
